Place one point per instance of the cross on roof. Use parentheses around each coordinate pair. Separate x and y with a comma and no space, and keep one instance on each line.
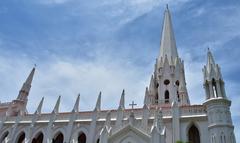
(132,104)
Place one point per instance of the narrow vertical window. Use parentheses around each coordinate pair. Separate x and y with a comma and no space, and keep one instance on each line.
(166,95)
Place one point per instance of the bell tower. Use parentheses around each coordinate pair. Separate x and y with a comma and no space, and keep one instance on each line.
(168,80)
(217,104)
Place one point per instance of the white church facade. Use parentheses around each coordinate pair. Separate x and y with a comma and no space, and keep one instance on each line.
(166,116)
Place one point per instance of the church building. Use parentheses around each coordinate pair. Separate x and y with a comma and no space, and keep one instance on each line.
(167,115)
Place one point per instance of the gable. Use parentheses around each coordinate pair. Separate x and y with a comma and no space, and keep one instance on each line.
(129,134)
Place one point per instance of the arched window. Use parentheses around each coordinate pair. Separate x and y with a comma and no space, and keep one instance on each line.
(21,138)
(156,98)
(38,138)
(193,135)
(82,138)
(166,96)
(4,136)
(178,96)
(98,140)
(214,88)
(58,138)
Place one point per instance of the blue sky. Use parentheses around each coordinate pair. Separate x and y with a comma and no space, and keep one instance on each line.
(90,46)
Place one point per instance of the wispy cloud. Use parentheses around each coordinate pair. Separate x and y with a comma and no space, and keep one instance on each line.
(91,46)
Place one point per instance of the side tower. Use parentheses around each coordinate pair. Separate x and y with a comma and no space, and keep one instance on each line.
(221,129)
(168,81)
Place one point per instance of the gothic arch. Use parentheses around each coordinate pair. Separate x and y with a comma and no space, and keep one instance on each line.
(21,137)
(166,96)
(193,134)
(79,131)
(38,138)
(97,137)
(58,137)
(4,135)
(156,98)
(82,138)
(214,87)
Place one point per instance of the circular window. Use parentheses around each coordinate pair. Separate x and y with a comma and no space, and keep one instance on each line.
(166,82)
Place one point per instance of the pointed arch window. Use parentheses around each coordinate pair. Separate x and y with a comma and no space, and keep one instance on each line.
(38,138)
(4,136)
(21,138)
(82,138)
(166,96)
(58,138)
(156,98)
(214,86)
(193,134)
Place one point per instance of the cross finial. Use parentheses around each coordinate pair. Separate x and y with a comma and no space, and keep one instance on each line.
(132,104)
(35,65)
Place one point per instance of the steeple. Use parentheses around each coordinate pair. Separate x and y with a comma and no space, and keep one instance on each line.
(23,93)
(211,70)
(168,43)
(168,81)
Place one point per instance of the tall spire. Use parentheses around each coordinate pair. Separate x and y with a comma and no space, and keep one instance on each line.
(168,43)
(23,93)
(30,77)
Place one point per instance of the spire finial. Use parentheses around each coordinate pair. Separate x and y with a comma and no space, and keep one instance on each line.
(56,107)
(39,108)
(76,105)
(23,93)
(30,77)
(210,60)
(168,44)
(122,100)
(98,103)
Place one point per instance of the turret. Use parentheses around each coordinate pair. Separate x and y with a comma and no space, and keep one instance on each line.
(217,105)
(213,81)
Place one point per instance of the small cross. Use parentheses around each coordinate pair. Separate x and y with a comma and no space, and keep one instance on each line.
(35,65)
(132,104)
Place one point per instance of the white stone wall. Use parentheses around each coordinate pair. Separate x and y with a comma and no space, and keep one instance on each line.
(83,122)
